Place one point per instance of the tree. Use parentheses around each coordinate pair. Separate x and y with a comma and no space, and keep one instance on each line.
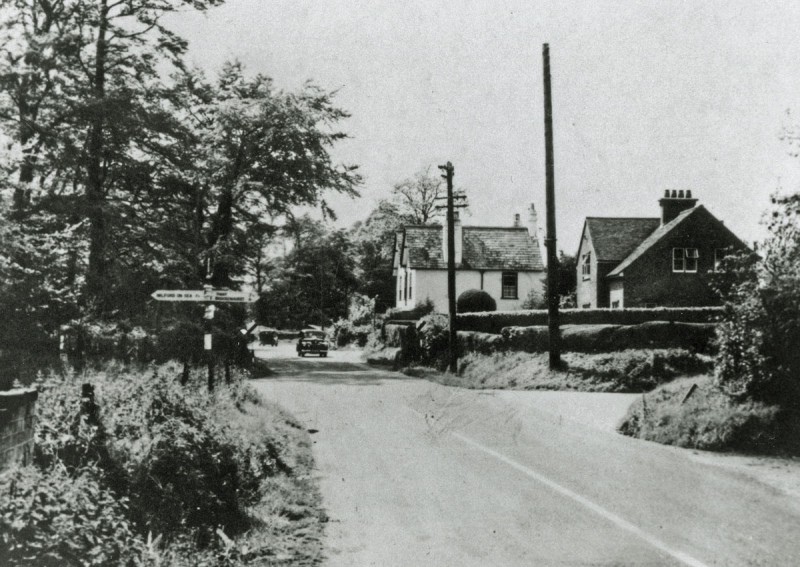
(416,197)
(84,86)
(757,355)
(412,201)
(313,284)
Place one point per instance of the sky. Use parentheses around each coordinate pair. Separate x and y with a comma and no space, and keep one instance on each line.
(647,96)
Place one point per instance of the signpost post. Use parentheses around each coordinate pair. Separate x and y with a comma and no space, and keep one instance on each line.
(207,295)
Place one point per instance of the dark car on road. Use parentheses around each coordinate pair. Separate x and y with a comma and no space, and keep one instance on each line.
(312,341)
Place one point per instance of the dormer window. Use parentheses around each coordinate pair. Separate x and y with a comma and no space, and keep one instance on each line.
(586,266)
(684,260)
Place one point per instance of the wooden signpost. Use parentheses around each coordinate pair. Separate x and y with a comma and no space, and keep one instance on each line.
(207,295)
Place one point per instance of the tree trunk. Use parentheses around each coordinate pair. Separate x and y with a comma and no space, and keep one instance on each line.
(95,191)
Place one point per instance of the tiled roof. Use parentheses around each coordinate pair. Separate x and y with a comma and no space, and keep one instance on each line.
(615,238)
(423,247)
(484,248)
(648,242)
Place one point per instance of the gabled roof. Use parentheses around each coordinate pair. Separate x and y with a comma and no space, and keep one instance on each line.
(651,240)
(483,248)
(615,238)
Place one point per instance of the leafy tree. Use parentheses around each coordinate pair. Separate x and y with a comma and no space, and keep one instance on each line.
(313,284)
(758,336)
(412,201)
(416,197)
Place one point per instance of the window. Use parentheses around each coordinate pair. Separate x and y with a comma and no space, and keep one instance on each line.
(586,266)
(509,285)
(684,259)
(719,255)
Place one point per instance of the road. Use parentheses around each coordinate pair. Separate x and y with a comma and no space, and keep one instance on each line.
(417,474)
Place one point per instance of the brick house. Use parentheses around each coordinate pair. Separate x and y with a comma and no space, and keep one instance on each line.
(506,262)
(653,262)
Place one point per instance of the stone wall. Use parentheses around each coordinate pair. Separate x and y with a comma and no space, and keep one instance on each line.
(17,420)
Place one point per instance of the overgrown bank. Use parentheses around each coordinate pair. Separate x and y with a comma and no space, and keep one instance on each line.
(695,413)
(624,371)
(148,472)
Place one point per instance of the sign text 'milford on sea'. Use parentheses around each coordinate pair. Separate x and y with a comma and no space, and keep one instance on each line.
(204,295)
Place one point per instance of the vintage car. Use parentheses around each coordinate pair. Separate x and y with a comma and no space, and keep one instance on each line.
(312,341)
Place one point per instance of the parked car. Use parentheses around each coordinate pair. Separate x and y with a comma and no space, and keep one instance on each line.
(268,338)
(312,341)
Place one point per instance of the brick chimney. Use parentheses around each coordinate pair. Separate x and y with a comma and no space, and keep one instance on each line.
(674,203)
(458,235)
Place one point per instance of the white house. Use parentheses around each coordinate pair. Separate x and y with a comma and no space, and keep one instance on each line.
(506,262)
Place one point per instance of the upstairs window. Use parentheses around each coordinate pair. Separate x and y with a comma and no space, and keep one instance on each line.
(586,266)
(509,290)
(684,260)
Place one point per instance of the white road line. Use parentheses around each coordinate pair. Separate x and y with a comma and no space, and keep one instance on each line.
(597,509)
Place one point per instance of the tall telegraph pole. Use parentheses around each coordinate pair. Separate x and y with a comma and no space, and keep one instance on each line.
(550,239)
(451,269)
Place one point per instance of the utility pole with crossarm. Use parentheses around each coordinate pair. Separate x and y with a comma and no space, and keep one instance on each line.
(451,264)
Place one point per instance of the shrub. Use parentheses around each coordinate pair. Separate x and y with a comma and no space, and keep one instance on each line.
(534,300)
(179,455)
(343,332)
(433,333)
(757,341)
(475,301)
(419,311)
(54,518)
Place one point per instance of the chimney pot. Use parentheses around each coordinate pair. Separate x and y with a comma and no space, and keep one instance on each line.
(666,193)
(674,194)
(680,194)
(516,220)
(689,194)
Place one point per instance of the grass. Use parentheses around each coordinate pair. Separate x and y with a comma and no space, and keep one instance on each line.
(710,420)
(288,521)
(624,371)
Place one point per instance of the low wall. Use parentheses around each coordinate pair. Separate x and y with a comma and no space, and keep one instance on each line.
(17,420)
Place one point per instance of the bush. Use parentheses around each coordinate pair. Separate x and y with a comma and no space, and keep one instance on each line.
(419,311)
(534,300)
(180,456)
(475,301)
(433,333)
(759,336)
(343,332)
(54,518)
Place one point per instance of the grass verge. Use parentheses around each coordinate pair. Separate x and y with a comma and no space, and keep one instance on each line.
(623,371)
(710,420)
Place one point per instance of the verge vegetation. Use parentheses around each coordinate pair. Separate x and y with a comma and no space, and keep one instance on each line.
(141,471)
(624,371)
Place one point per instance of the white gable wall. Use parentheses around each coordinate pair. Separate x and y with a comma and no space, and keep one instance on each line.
(433,284)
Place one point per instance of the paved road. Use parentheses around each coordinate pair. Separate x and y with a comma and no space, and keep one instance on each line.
(417,474)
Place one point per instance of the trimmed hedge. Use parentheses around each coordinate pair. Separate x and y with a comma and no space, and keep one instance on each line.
(496,321)
(698,337)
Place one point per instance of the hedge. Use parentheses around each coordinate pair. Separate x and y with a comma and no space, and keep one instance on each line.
(698,337)
(496,321)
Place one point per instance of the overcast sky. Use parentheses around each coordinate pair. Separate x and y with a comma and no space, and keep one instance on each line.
(647,96)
